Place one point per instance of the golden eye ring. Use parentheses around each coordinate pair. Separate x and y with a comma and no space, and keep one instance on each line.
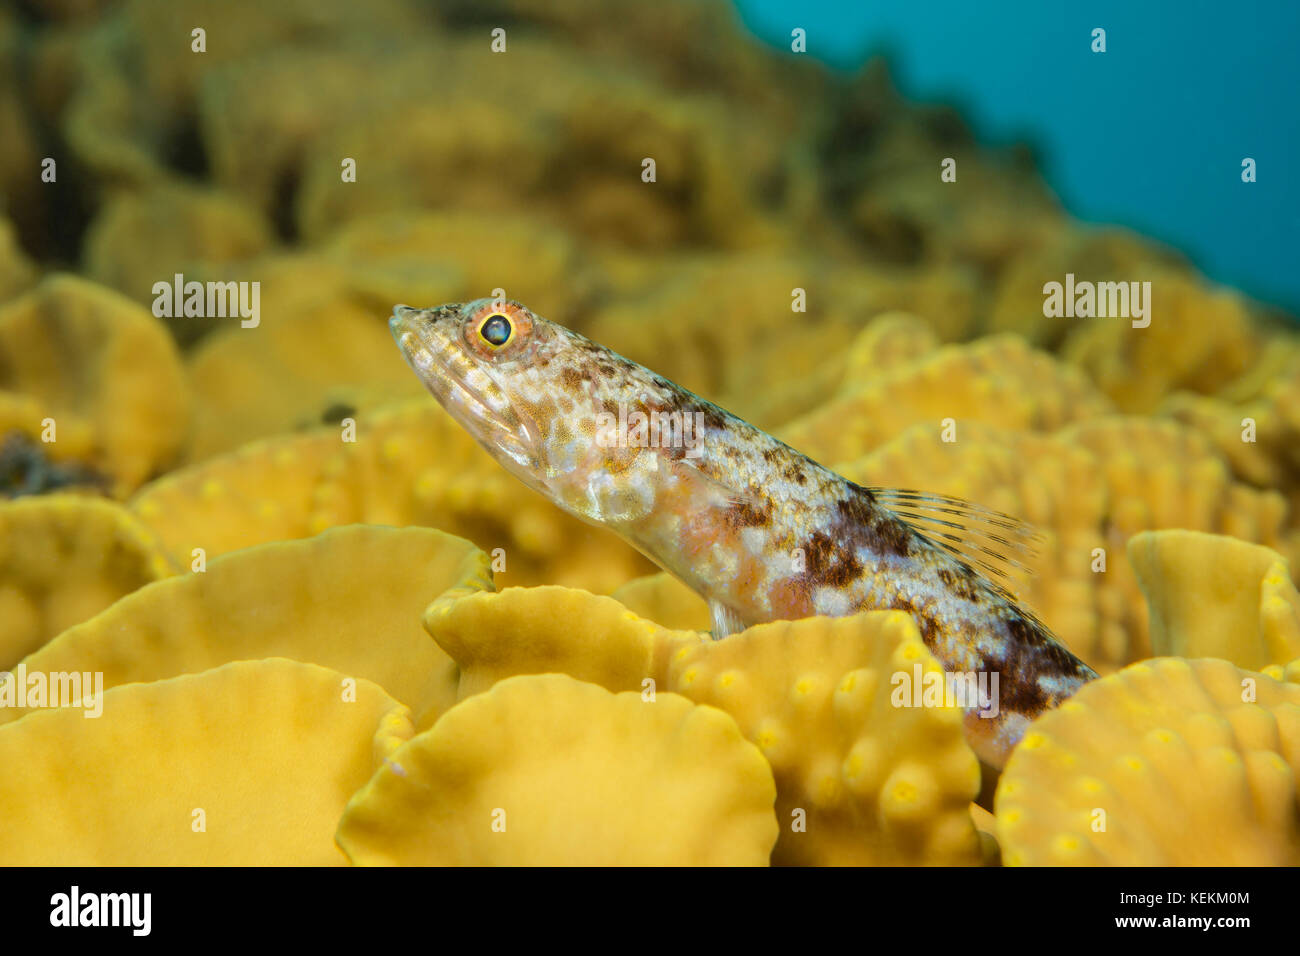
(495,330)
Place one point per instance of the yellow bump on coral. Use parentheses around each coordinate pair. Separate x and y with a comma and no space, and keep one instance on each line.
(859,780)
(217,506)
(547,770)
(1287,672)
(249,764)
(541,630)
(350,599)
(997,381)
(93,358)
(1170,762)
(666,600)
(63,559)
(1215,596)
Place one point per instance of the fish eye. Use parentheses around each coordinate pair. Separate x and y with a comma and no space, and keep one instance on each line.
(496,330)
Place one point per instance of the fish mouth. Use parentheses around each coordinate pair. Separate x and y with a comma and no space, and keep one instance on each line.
(429,340)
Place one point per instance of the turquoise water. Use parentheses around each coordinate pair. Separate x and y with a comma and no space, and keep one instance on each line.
(1150,134)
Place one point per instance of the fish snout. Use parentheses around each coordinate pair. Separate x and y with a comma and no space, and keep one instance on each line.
(408,320)
(433,329)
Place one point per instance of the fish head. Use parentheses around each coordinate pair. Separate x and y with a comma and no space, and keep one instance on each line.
(470,357)
(546,402)
(529,391)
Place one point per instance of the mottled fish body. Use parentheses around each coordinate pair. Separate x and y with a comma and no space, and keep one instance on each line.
(761,531)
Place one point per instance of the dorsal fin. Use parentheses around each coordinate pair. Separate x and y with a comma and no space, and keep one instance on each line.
(998,545)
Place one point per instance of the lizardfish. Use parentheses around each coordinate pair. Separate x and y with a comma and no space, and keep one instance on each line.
(759,530)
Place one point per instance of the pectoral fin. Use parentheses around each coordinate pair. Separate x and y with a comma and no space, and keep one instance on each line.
(725,621)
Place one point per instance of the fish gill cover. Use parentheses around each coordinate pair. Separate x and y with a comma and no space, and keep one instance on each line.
(283,607)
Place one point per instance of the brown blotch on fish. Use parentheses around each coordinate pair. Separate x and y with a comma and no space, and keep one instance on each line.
(887,534)
(828,562)
(571,377)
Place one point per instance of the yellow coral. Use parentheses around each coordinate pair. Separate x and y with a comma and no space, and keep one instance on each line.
(547,770)
(263,492)
(312,359)
(710,161)
(138,87)
(390,256)
(550,629)
(25,423)
(1214,596)
(998,381)
(16,271)
(140,238)
(1101,255)
(891,340)
(95,359)
(1161,474)
(861,779)
(913,222)
(349,599)
(666,600)
(1255,424)
(1198,340)
(248,764)
(784,364)
(63,559)
(1166,763)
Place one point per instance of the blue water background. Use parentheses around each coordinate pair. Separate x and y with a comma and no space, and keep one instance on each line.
(1150,134)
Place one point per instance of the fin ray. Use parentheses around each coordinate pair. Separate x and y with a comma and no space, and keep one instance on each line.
(1001,546)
